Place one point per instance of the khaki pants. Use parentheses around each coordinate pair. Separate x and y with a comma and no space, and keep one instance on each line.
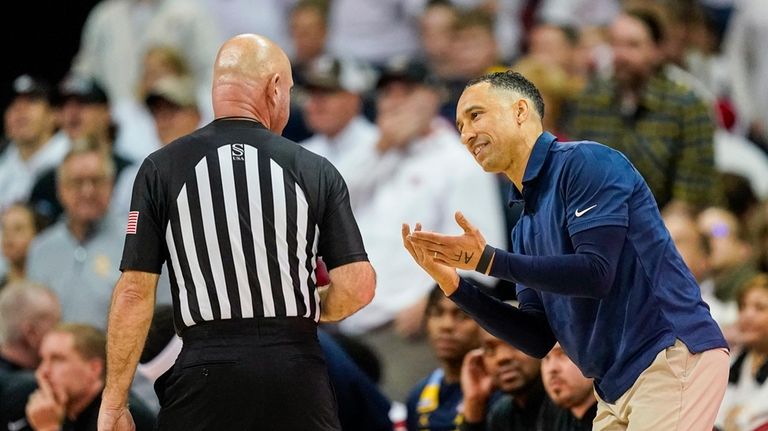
(679,391)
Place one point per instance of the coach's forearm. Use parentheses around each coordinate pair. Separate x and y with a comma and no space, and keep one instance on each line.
(526,329)
(133,302)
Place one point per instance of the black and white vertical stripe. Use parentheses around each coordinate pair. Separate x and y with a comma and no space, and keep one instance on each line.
(242,243)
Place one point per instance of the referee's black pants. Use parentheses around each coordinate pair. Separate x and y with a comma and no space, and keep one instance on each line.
(255,374)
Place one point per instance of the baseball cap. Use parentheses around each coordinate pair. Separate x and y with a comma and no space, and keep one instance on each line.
(28,85)
(84,89)
(408,70)
(335,74)
(179,91)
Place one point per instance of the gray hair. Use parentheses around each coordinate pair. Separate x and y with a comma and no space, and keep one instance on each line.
(87,146)
(24,301)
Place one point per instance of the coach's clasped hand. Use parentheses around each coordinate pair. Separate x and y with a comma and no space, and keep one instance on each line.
(462,252)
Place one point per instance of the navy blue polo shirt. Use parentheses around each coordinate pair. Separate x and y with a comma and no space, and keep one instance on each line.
(571,187)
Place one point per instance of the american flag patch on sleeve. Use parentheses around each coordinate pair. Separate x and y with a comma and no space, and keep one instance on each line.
(133,222)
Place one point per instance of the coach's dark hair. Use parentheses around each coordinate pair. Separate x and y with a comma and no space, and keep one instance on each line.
(516,82)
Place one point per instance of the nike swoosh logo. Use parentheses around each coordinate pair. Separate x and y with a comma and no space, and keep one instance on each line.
(581,213)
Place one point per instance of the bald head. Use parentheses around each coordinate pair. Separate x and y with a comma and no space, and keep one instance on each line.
(252,78)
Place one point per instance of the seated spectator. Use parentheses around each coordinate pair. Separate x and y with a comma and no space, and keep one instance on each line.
(731,252)
(30,124)
(558,46)
(694,248)
(571,405)
(308,25)
(745,406)
(78,256)
(173,105)
(499,366)
(27,312)
(70,380)
(85,115)
(434,404)
(17,230)
(398,177)
(333,111)
(474,52)
(437,24)
(632,109)
(137,136)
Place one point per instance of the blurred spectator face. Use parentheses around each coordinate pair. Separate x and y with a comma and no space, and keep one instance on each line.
(451,332)
(722,230)
(85,187)
(18,231)
(173,121)
(308,32)
(753,314)
(563,381)
(29,120)
(690,244)
(65,369)
(407,97)
(437,25)
(474,51)
(635,54)
(550,45)
(328,112)
(513,371)
(160,62)
(80,119)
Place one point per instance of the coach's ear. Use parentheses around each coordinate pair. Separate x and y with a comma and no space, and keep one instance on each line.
(521,110)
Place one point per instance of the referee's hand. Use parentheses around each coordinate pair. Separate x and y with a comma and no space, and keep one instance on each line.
(111,419)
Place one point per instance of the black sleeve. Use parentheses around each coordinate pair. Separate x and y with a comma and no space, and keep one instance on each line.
(145,248)
(472,426)
(339,241)
(526,327)
(589,273)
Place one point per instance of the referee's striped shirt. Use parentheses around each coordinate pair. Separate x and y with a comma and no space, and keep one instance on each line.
(239,215)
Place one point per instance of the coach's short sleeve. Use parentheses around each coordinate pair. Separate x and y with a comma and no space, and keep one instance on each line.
(596,184)
(145,248)
(340,241)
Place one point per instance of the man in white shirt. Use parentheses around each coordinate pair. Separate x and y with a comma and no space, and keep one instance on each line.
(401,176)
(30,123)
(333,111)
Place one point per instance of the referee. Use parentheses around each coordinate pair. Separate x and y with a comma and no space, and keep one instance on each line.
(240,216)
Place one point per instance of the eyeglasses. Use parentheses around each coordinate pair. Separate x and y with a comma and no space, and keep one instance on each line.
(80,182)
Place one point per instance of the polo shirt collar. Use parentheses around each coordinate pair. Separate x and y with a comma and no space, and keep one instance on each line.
(536,162)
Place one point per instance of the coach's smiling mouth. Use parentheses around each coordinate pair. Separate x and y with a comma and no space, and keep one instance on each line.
(478,148)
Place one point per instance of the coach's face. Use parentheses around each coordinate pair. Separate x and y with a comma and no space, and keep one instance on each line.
(484,119)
